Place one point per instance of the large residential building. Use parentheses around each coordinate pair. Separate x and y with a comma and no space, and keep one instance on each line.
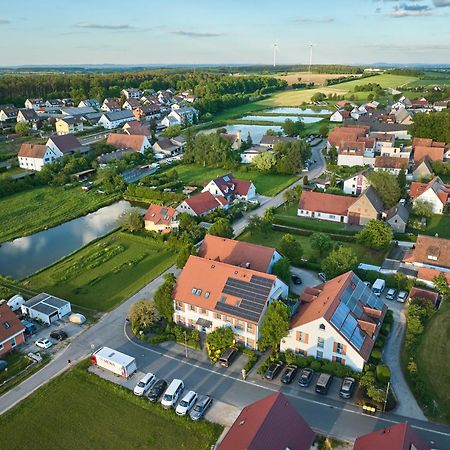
(390,164)
(161,219)
(239,253)
(269,423)
(434,192)
(231,188)
(433,153)
(27,116)
(430,252)
(34,103)
(338,320)
(114,119)
(211,294)
(202,204)
(131,93)
(8,112)
(11,330)
(66,144)
(34,156)
(269,141)
(340,135)
(138,143)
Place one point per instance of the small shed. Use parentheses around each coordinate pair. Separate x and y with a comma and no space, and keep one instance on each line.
(397,217)
(46,307)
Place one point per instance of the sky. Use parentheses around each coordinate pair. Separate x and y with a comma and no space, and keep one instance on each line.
(50,32)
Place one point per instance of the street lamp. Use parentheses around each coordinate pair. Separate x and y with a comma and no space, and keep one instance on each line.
(185,343)
(386,398)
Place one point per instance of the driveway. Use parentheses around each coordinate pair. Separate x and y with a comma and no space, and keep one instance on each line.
(309,279)
(407,404)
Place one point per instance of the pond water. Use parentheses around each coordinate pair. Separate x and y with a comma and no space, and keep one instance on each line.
(26,255)
(307,111)
(256,131)
(282,119)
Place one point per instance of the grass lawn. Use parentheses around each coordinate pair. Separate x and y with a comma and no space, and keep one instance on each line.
(273,239)
(440,224)
(87,412)
(433,361)
(239,111)
(105,272)
(266,183)
(43,207)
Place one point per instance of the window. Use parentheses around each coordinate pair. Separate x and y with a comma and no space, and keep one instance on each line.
(301,352)
(239,325)
(218,316)
(250,328)
(432,257)
(6,325)
(320,342)
(207,294)
(203,311)
(1,346)
(319,354)
(340,348)
(302,337)
(179,306)
(339,360)
(12,341)
(192,308)
(227,319)
(322,326)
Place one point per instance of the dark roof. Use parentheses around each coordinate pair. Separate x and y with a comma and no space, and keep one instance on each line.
(269,423)
(119,115)
(400,211)
(66,143)
(29,114)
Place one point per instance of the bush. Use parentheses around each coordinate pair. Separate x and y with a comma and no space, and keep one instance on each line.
(217,341)
(252,359)
(383,374)
(316,366)
(376,355)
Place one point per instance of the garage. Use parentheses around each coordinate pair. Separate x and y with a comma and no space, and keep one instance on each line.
(46,308)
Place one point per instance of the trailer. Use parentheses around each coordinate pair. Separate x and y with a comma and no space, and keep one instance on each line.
(114,361)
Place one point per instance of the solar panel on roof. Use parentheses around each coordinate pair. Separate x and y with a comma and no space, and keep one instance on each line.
(337,319)
(357,338)
(348,327)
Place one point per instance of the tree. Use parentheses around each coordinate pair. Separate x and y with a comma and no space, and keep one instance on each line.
(386,186)
(163,297)
(339,261)
(435,126)
(265,161)
(323,131)
(219,339)
(441,285)
(184,253)
(401,180)
(291,156)
(222,227)
(282,270)
(292,196)
(318,97)
(172,131)
(143,314)
(291,248)
(422,208)
(292,128)
(321,242)
(376,235)
(131,220)
(269,214)
(22,128)
(332,155)
(275,325)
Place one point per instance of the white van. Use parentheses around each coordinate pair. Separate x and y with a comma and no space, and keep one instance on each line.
(144,384)
(378,287)
(172,394)
(15,302)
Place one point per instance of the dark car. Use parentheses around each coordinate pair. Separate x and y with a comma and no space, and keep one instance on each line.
(58,335)
(347,388)
(273,370)
(296,280)
(199,410)
(306,375)
(227,357)
(3,364)
(289,374)
(157,390)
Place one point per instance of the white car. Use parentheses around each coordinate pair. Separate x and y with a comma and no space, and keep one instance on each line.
(391,294)
(186,403)
(44,343)
(144,384)
(402,296)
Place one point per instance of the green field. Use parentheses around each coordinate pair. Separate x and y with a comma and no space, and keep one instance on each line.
(438,224)
(44,207)
(105,272)
(79,410)
(433,362)
(265,183)
(273,239)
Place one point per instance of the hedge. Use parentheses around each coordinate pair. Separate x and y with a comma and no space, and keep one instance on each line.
(383,373)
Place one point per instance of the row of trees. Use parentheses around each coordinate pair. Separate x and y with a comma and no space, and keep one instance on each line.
(434,125)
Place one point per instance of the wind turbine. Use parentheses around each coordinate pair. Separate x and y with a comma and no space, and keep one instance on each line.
(311,45)
(275,51)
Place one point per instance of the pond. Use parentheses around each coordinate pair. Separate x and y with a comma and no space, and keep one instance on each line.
(26,255)
(306,111)
(282,119)
(256,131)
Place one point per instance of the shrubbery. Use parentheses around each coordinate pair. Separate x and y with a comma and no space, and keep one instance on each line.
(217,341)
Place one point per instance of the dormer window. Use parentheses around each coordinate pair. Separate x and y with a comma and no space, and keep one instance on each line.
(432,257)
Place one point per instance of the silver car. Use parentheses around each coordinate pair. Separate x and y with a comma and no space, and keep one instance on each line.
(199,410)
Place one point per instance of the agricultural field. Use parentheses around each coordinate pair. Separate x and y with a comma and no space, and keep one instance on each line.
(88,412)
(39,208)
(266,183)
(316,78)
(432,79)
(105,272)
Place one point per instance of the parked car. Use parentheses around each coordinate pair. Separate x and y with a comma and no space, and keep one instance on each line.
(273,370)
(296,280)
(323,383)
(289,374)
(367,283)
(44,343)
(306,375)
(402,296)
(3,364)
(157,390)
(172,393)
(227,357)
(347,387)
(322,276)
(186,403)
(144,384)
(391,294)
(30,328)
(199,410)
(58,335)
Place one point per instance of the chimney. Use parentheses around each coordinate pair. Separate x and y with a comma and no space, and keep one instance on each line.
(247,265)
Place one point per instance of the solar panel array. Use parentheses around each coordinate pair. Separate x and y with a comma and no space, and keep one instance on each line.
(253,295)
(345,318)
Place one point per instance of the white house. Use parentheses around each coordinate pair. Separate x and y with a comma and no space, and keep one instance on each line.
(247,156)
(89,103)
(115,119)
(435,193)
(131,93)
(339,116)
(34,103)
(180,116)
(131,104)
(34,156)
(27,116)
(46,308)
(356,184)
(66,144)
(231,188)
(8,112)
(390,164)
(338,321)
(212,294)
(137,142)
(110,105)
(202,204)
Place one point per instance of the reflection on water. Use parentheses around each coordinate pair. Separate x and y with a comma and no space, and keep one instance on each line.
(26,255)
(256,131)
(308,111)
(282,119)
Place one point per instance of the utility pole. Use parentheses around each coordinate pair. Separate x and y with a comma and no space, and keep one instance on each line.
(386,398)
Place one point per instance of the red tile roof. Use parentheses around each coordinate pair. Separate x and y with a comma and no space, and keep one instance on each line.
(325,203)
(32,150)
(237,253)
(9,323)
(337,136)
(120,141)
(427,274)
(269,423)
(442,190)
(160,215)
(425,142)
(391,162)
(204,202)
(396,437)
(437,248)
(424,293)
(434,153)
